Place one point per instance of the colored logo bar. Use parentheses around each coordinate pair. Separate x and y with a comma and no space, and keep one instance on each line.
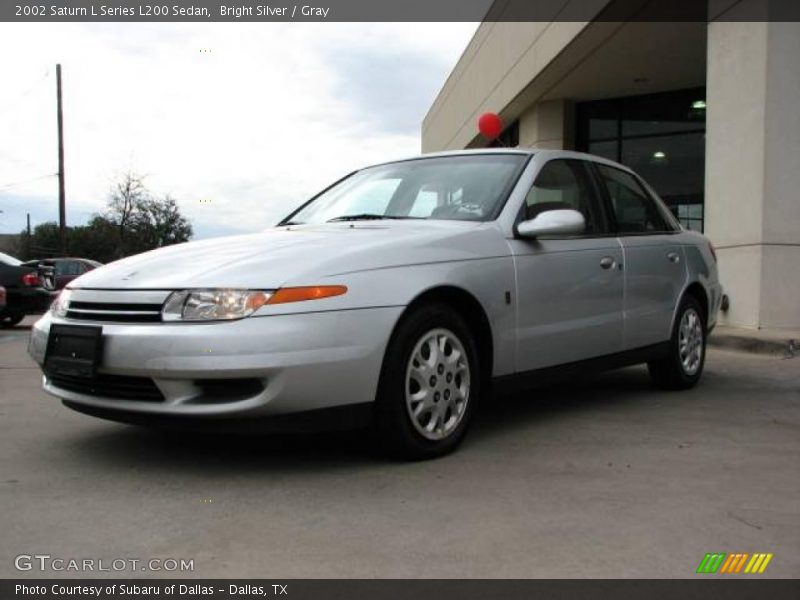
(735,562)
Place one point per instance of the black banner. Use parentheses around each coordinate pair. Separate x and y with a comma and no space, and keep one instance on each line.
(204,11)
(733,588)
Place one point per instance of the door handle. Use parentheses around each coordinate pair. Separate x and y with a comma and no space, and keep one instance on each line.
(607,262)
(673,257)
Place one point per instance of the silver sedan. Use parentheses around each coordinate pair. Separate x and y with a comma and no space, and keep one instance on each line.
(399,298)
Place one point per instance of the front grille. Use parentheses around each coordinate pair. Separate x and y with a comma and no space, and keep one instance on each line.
(110,386)
(114,312)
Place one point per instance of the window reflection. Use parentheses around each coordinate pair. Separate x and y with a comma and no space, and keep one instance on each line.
(661,137)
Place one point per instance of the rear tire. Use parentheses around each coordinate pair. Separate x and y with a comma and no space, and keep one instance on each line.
(8,320)
(429,385)
(683,366)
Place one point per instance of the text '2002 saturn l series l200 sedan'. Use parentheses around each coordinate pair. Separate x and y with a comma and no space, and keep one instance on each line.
(395,299)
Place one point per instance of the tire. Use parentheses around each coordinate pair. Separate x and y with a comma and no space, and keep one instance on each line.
(442,392)
(8,320)
(683,366)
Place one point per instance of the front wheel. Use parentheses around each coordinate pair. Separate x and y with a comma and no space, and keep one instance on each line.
(683,366)
(429,384)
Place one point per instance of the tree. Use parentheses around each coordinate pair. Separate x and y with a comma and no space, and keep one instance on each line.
(124,204)
(97,240)
(143,221)
(134,221)
(160,223)
(45,240)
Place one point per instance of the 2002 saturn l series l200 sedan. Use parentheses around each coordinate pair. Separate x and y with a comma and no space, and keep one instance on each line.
(393,298)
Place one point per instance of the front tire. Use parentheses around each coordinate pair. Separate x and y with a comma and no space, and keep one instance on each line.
(429,385)
(683,366)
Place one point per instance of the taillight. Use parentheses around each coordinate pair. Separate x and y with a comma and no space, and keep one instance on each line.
(31,279)
(713,251)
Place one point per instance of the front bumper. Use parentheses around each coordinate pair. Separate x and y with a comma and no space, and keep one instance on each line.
(304,362)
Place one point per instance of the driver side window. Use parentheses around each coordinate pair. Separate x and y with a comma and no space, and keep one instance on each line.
(563,184)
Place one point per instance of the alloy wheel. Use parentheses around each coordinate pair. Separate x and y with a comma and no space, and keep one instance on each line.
(437,384)
(690,341)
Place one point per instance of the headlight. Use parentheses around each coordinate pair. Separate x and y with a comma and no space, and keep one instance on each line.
(61,303)
(213,305)
(226,305)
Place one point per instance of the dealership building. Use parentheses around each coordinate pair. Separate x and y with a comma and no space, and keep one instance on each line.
(708,112)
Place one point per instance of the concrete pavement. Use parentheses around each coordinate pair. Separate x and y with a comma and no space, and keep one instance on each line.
(605,477)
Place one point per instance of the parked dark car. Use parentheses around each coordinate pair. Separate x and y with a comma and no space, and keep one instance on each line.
(25,293)
(58,272)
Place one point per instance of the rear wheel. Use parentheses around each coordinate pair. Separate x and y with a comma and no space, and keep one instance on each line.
(683,366)
(429,385)
(8,319)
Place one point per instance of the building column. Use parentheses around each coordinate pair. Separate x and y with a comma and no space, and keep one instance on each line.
(548,125)
(752,204)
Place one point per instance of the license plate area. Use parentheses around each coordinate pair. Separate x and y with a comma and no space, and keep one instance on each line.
(73,350)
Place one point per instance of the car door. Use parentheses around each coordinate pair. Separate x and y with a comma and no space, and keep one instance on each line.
(569,288)
(655,266)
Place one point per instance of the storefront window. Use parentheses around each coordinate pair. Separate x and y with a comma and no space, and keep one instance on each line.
(509,138)
(661,137)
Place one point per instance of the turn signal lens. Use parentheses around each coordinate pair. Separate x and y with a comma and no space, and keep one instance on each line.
(229,304)
(300,294)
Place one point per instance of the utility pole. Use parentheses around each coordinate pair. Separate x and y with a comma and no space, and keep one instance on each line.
(28,239)
(62,206)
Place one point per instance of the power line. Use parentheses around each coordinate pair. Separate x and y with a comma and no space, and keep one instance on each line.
(9,102)
(24,181)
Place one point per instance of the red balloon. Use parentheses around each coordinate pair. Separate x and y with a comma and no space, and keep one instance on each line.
(490,125)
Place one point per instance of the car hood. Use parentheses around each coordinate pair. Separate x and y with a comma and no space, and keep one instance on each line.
(297,255)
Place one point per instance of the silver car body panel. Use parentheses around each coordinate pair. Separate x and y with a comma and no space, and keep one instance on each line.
(655,277)
(547,303)
(552,330)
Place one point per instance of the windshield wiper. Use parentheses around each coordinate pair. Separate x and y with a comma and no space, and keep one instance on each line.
(285,223)
(367,217)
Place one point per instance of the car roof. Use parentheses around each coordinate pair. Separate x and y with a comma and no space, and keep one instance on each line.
(545,153)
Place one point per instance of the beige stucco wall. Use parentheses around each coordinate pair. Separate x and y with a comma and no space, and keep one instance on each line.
(500,61)
(753,169)
(547,124)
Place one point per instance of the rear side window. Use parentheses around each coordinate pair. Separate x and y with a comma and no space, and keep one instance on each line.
(634,210)
(563,184)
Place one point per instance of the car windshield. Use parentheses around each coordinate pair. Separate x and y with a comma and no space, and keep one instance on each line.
(10,260)
(463,188)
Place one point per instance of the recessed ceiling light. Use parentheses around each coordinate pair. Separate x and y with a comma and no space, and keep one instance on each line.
(699,104)
(659,155)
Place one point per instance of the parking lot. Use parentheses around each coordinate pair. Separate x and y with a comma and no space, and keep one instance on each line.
(604,477)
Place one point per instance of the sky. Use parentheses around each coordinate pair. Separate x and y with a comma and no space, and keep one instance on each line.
(240,122)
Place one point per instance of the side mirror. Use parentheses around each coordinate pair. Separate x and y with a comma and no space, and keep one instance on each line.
(553,222)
